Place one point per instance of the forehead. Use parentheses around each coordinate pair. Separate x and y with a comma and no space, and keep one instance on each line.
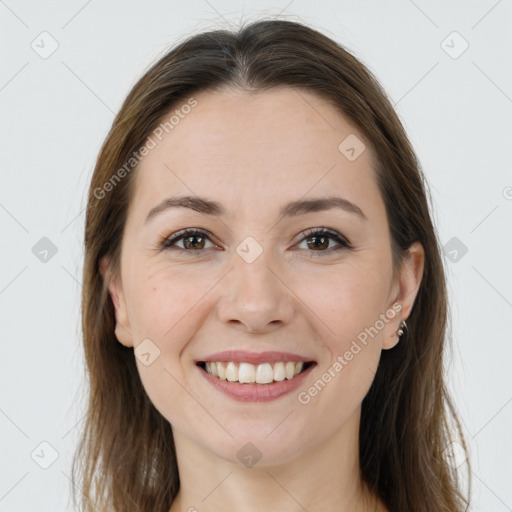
(275,145)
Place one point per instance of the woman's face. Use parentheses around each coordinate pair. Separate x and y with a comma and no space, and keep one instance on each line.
(257,278)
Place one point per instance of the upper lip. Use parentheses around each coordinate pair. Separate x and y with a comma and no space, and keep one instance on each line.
(242,356)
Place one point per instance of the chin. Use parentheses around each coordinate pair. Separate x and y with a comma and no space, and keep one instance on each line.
(257,448)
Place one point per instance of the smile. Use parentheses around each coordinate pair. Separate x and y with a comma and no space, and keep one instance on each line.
(247,382)
(247,373)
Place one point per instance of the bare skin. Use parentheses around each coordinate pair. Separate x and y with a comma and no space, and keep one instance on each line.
(253,154)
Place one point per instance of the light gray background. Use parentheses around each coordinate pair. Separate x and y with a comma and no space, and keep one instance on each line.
(55,112)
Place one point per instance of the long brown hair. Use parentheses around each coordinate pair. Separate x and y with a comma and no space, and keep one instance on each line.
(126,458)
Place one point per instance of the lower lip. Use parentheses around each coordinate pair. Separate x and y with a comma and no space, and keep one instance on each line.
(256,392)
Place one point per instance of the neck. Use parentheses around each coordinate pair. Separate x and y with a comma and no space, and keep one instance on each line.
(324,478)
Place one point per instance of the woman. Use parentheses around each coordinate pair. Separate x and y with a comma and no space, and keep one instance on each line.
(264,308)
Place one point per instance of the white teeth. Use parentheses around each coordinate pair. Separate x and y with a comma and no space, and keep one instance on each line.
(247,373)
(279,373)
(264,373)
(289,369)
(220,371)
(232,372)
(212,368)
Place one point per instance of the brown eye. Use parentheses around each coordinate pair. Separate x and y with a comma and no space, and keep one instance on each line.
(319,240)
(193,240)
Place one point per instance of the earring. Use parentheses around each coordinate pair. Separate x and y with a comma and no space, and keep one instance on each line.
(401,329)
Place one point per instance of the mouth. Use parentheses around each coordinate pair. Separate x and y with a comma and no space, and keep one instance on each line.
(255,374)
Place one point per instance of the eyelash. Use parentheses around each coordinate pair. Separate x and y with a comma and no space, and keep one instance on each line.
(170,241)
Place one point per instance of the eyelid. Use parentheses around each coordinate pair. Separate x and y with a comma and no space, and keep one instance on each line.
(170,241)
(342,244)
(325,231)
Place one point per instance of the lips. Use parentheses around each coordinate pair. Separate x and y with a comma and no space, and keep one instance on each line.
(257,392)
(255,377)
(242,356)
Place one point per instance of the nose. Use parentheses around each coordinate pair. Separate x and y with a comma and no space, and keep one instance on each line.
(255,296)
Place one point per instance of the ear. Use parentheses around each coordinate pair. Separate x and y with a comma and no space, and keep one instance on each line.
(122,330)
(404,292)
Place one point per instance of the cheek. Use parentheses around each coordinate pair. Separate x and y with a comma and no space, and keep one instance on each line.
(344,301)
(347,304)
(161,304)
(164,309)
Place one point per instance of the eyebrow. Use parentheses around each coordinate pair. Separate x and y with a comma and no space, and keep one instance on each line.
(300,207)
